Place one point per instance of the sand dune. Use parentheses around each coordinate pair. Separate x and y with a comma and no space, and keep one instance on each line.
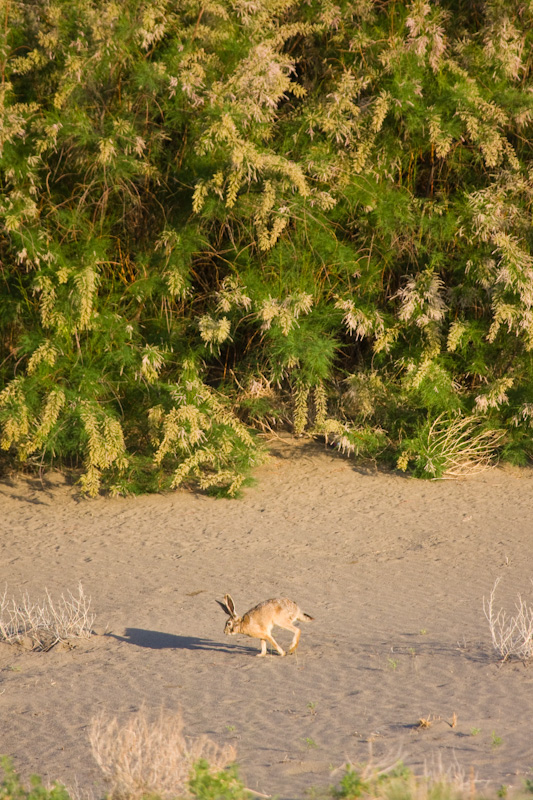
(393,570)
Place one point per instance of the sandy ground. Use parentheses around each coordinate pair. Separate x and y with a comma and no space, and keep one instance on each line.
(394,571)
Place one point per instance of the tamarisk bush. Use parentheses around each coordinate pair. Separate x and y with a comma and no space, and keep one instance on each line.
(224,216)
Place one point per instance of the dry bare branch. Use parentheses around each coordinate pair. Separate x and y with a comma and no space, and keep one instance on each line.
(47,623)
(511,636)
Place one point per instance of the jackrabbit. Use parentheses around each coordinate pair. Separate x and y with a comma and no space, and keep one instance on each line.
(259,621)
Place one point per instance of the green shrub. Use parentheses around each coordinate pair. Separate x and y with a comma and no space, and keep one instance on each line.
(11,787)
(314,197)
(223,785)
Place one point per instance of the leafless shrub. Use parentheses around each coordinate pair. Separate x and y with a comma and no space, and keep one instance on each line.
(141,758)
(512,636)
(45,624)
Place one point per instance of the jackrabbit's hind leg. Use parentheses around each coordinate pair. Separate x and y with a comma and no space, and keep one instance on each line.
(296,639)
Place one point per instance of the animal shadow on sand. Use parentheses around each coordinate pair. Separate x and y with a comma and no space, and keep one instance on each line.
(157,640)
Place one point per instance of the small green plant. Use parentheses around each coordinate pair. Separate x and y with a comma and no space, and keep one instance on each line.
(11,787)
(503,790)
(392,663)
(312,708)
(206,784)
(398,781)
(496,740)
(475,731)
(351,785)
(310,743)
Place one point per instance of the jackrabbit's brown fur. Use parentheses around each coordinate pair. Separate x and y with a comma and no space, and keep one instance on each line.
(259,621)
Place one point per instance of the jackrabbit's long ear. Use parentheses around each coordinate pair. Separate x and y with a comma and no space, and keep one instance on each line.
(224,607)
(230,604)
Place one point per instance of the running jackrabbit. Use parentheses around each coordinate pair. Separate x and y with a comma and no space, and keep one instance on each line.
(259,621)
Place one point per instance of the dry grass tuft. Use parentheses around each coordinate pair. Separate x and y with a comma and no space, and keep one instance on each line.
(395,780)
(449,783)
(512,636)
(42,625)
(141,757)
(460,447)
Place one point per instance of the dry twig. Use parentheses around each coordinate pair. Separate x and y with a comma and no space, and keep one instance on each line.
(511,636)
(47,623)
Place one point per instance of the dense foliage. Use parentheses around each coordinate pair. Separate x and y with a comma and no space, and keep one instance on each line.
(237,214)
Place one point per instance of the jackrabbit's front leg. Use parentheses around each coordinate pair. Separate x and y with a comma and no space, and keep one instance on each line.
(263,648)
(273,643)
